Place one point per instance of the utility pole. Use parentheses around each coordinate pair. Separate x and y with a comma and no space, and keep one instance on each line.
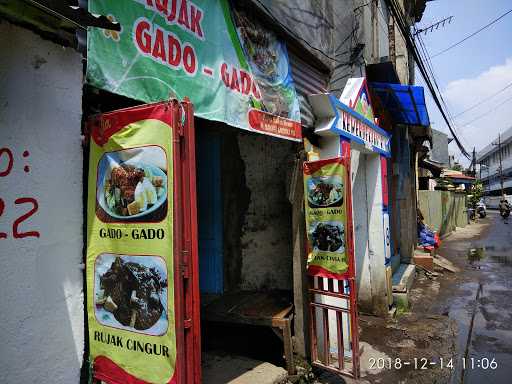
(473,162)
(375,31)
(501,164)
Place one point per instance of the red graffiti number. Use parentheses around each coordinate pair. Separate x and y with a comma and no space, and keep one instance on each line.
(3,235)
(6,166)
(21,219)
(10,160)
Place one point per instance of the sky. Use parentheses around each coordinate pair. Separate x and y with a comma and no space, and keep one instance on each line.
(471,72)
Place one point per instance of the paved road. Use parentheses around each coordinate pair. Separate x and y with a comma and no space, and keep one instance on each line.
(481,303)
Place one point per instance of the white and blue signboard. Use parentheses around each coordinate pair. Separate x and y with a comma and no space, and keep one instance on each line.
(351,117)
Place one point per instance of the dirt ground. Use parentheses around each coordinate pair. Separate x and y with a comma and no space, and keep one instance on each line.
(452,316)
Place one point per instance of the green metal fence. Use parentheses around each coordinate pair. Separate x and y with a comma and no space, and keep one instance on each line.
(443,210)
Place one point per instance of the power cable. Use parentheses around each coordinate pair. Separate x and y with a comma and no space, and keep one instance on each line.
(486,113)
(291,33)
(430,67)
(448,119)
(386,30)
(404,29)
(473,34)
(483,101)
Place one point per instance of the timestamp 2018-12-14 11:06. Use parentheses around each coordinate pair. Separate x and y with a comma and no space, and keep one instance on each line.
(484,363)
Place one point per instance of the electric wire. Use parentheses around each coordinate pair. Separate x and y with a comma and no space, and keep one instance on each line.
(453,117)
(483,101)
(472,34)
(404,29)
(430,67)
(421,65)
(486,113)
(386,30)
(291,33)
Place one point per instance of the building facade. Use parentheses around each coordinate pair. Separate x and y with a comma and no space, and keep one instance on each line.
(250,213)
(497,154)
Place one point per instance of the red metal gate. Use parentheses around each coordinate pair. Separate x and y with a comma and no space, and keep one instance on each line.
(333,308)
(186,248)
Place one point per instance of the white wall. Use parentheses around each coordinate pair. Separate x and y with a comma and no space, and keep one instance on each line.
(41,301)
(369,236)
(361,233)
(376,235)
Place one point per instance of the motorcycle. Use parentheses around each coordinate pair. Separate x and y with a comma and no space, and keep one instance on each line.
(504,208)
(481,209)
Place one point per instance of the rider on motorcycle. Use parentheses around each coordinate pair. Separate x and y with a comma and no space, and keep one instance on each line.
(504,208)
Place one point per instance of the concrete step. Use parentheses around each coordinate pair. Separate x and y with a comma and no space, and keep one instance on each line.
(403,278)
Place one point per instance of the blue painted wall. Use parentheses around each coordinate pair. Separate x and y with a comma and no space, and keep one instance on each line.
(211,267)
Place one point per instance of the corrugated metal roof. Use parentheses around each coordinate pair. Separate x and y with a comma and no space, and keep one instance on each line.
(308,81)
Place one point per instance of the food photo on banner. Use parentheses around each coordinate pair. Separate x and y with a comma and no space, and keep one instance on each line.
(325,191)
(130,254)
(144,309)
(231,68)
(131,185)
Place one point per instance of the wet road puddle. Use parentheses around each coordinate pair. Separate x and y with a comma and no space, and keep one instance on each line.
(482,308)
(488,254)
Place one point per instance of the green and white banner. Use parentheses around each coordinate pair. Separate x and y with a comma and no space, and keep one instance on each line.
(232,70)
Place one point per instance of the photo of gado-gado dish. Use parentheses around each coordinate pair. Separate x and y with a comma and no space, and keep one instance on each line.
(131,182)
(132,190)
(329,237)
(131,293)
(326,191)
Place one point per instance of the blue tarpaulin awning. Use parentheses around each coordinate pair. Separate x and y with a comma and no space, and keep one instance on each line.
(405,103)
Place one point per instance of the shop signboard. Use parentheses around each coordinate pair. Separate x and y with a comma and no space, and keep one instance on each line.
(228,65)
(327,217)
(130,242)
(352,117)
(356,96)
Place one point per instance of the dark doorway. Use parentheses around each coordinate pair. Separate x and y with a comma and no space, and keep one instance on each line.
(211,276)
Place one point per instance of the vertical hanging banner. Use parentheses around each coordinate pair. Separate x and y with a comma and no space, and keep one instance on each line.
(325,191)
(238,73)
(130,269)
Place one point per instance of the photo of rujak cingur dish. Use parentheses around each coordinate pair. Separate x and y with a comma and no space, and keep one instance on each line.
(132,185)
(325,191)
(130,293)
(328,236)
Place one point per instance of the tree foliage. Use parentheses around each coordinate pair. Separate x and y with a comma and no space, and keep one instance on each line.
(476,193)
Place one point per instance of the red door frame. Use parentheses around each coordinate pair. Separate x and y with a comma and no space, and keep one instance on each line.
(186,262)
(187,298)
